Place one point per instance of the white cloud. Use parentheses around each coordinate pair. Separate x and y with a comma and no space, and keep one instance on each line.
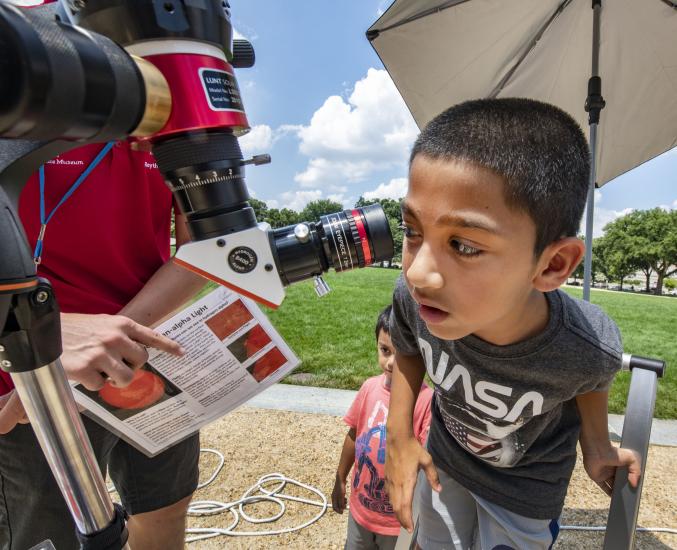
(382,5)
(258,140)
(323,171)
(351,139)
(340,198)
(297,200)
(272,203)
(395,189)
(674,204)
(601,217)
(244,32)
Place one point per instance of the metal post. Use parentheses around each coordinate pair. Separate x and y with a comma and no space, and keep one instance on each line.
(594,103)
(622,521)
(54,416)
(589,215)
(30,345)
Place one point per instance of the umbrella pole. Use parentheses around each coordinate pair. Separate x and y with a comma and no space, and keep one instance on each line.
(587,262)
(594,103)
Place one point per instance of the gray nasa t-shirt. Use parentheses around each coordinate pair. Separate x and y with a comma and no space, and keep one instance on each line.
(504,418)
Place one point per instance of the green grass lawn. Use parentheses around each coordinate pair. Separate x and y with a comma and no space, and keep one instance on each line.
(334,337)
(648,328)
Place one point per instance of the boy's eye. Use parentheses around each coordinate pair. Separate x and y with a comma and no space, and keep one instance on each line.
(464,249)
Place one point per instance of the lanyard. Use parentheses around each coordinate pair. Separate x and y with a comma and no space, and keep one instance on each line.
(37,255)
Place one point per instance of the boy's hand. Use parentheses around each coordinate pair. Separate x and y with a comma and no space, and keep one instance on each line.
(11,412)
(338,495)
(601,466)
(403,459)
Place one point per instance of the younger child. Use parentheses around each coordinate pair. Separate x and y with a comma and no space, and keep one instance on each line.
(372,523)
(521,370)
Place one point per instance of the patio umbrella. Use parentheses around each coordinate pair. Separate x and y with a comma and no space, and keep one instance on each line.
(564,52)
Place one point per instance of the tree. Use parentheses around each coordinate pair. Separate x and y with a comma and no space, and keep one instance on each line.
(579,272)
(613,259)
(260,209)
(282,218)
(648,240)
(321,207)
(600,249)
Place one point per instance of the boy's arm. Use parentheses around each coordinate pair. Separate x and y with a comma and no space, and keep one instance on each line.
(600,457)
(404,454)
(338,495)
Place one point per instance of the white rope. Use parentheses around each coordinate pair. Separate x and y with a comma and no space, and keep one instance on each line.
(237,507)
(274,495)
(218,468)
(603,528)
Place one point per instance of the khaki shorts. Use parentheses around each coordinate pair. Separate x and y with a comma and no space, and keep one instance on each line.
(457,519)
(32,508)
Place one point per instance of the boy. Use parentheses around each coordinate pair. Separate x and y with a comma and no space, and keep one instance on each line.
(372,523)
(496,192)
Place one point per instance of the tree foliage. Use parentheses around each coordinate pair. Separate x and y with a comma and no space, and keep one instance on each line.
(315,209)
(644,240)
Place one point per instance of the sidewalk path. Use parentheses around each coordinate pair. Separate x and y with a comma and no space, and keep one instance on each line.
(309,399)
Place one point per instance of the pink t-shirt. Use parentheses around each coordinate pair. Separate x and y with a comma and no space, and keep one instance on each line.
(369,503)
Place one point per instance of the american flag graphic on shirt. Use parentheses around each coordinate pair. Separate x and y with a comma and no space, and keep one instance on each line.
(491,440)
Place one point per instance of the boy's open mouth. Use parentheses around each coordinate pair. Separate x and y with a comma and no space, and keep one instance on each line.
(432,314)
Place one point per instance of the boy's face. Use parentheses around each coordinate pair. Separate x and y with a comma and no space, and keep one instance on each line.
(386,353)
(468,258)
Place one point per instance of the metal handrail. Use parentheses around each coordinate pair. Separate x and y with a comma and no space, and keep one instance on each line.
(622,520)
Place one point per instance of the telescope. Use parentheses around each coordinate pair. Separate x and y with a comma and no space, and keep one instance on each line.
(162,73)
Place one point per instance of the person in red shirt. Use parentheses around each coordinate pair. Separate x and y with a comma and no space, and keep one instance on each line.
(372,524)
(106,251)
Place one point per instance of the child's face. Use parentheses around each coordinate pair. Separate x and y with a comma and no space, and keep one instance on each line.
(386,353)
(468,258)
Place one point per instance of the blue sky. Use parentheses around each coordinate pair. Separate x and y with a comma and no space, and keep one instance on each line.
(320,102)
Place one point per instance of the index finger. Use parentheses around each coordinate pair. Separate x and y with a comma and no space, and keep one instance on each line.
(148,337)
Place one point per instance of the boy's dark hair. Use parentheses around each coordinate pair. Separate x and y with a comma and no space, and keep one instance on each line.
(538,150)
(382,323)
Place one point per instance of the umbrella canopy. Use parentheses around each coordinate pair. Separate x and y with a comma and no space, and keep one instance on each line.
(440,53)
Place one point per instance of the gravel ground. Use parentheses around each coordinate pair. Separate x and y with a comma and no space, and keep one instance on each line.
(306,447)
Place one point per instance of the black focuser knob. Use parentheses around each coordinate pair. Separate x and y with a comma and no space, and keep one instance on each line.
(243,54)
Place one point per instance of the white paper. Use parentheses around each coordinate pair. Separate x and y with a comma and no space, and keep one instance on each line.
(232,354)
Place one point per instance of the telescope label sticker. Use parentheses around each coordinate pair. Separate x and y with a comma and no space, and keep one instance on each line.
(221,90)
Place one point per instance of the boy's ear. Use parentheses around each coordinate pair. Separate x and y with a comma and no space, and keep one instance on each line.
(557,262)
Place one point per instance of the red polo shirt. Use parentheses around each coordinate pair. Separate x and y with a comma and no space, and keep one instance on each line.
(108,238)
